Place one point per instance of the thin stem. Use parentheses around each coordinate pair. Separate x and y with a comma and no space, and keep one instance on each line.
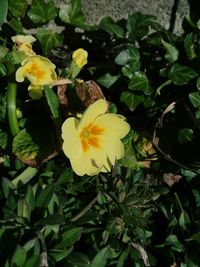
(11,108)
(25,176)
(83,211)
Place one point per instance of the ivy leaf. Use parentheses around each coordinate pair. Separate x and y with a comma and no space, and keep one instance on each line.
(48,39)
(138,25)
(181,74)
(72,13)
(172,52)
(195,99)
(131,54)
(108,25)
(108,80)
(17,7)
(189,46)
(52,101)
(3,11)
(139,82)
(42,11)
(131,100)
(185,135)
(100,260)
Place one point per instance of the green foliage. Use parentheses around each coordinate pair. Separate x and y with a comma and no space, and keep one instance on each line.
(146,210)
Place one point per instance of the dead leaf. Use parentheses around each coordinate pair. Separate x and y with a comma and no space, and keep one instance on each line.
(170,178)
(89,92)
(61,89)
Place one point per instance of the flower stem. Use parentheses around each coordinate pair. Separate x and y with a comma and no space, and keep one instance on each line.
(25,176)
(11,108)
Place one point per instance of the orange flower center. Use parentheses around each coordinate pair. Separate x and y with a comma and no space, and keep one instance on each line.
(35,71)
(90,136)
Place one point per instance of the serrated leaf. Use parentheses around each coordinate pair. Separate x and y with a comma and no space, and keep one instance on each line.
(42,11)
(172,52)
(195,99)
(108,25)
(72,13)
(52,100)
(48,39)
(189,46)
(100,260)
(131,100)
(3,11)
(108,80)
(181,74)
(139,82)
(17,7)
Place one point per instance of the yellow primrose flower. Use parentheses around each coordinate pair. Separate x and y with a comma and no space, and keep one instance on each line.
(93,143)
(39,71)
(24,43)
(79,57)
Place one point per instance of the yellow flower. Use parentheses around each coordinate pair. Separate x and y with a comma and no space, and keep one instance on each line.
(39,71)
(93,143)
(79,57)
(24,43)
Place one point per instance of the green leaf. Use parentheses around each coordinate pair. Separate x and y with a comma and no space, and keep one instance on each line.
(52,101)
(138,25)
(17,7)
(45,196)
(3,139)
(42,11)
(139,82)
(3,11)
(79,260)
(189,46)
(196,194)
(59,254)
(72,13)
(185,135)
(172,52)
(100,260)
(108,25)
(181,74)
(16,25)
(30,198)
(19,257)
(131,100)
(198,83)
(23,209)
(70,237)
(33,261)
(108,80)
(195,99)
(131,54)
(48,39)
(175,243)
(2,107)
(184,220)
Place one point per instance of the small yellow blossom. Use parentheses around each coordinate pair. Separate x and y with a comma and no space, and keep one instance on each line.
(39,71)
(93,143)
(24,43)
(79,57)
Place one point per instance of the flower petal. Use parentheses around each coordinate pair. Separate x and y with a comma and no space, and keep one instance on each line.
(94,110)
(19,76)
(113,124)
(85,165)
(72,144)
